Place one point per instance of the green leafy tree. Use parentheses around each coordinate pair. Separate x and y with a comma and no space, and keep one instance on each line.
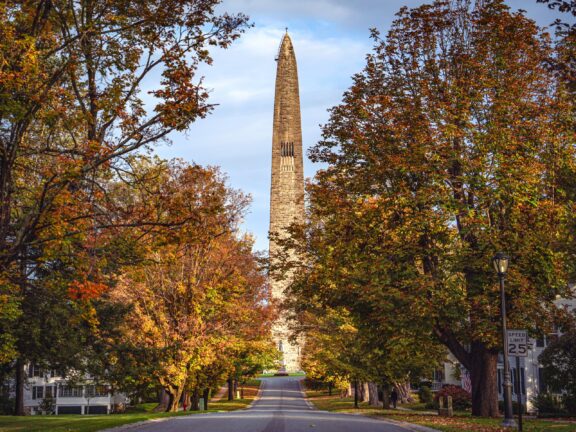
(559,363)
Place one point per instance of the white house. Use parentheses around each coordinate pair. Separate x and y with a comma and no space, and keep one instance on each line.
(48,393)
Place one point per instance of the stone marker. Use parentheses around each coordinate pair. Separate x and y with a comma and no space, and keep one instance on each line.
(445,411)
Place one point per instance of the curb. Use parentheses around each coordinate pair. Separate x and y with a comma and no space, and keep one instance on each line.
(257,398)
(308,403)
(136,424)
(409,426)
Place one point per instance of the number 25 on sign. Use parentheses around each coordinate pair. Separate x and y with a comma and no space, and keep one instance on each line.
(517,343)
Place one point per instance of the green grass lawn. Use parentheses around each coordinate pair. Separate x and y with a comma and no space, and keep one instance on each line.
(75,423)
(460,422)
(92,423)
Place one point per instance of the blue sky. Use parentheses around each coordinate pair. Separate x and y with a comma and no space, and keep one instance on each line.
(331,40)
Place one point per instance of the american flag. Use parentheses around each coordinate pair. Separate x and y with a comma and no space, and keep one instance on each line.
(465,378)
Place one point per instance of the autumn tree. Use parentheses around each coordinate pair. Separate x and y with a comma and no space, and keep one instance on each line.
(72,108)
(455,142)
(199,293)
(355,331)
(61,288)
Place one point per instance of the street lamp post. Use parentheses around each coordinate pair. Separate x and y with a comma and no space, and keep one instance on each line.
(500,262)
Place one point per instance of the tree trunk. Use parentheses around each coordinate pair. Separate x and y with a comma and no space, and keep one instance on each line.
(404,393)
(230,389)
(360,388)
(174,399)
(170,402)
(483,375)
(19,402)
(195,400)
(206,395)
(364,392)
(355,393)
(373,394)
(385,395)
(329,389)
(163,401)
(348,392)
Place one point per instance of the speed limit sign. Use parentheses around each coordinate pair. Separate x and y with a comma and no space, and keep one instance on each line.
(517,343)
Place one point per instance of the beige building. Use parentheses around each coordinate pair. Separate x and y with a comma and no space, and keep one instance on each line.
(287,189)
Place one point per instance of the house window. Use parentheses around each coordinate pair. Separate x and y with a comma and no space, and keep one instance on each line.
(96,391)
(438,375)
(70,391)
(542,386)
(34,371)
(37,392)
(515,384)
(500,385)
(49,392)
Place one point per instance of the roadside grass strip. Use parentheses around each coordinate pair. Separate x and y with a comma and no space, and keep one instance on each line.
(93,423)
(417,414)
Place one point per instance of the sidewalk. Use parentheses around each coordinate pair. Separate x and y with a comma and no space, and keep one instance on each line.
(221,394)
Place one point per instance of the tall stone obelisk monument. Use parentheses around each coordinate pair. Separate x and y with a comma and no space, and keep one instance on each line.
(287,191)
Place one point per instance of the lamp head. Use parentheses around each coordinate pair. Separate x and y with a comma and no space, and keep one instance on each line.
(500,262)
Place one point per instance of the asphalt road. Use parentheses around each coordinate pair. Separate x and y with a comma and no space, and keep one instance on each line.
(281,408)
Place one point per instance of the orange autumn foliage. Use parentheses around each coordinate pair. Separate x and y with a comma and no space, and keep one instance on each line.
(85,290)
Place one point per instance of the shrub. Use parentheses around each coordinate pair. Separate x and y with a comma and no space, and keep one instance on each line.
(569,403)
(6,405)
(48,405)
(547,404)
(425,395)
(558,361)
(461,399)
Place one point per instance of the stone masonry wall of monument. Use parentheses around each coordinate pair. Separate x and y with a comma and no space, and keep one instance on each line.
(287,188)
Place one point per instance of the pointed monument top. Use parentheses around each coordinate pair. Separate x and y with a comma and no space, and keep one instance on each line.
(285,51)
